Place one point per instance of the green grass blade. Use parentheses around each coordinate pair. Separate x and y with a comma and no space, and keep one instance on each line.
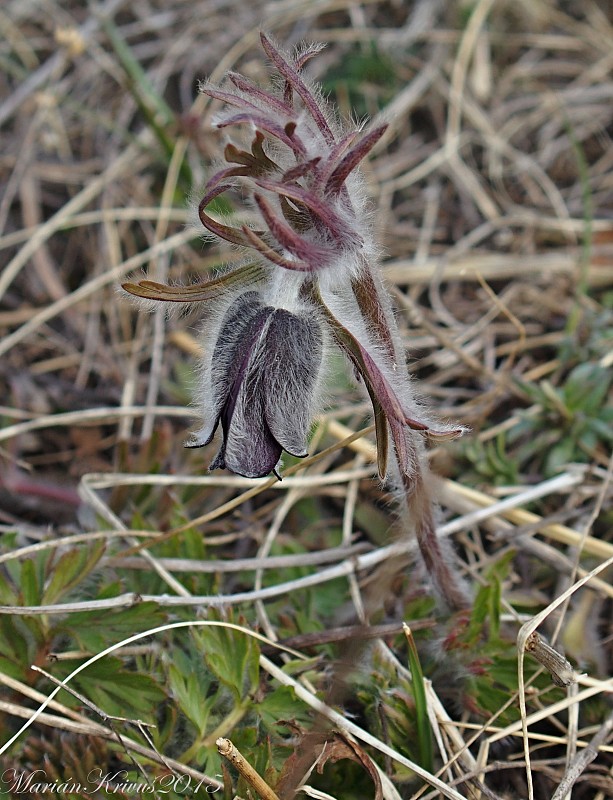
(424,730)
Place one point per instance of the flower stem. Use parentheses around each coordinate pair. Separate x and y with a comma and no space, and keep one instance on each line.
(437,561)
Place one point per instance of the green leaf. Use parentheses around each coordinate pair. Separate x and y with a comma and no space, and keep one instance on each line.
(233,657)
(488,602)
(495,600)
(281,704)
(424,731)
(587,387)
(496,574)
(114,689)
(71,568)
(191,687)
(17,648)
(603,427)
(96,630)
(30,588)
(8,593)
(8,539)
(559,456)
(478,615)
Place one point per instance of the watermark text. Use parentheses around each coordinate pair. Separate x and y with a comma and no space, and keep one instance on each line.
(14,783)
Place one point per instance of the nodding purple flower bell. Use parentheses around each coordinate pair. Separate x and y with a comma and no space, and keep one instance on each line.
(262,380)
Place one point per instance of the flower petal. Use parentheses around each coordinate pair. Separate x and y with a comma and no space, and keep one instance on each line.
(250,448)
(238,334)
(292,365)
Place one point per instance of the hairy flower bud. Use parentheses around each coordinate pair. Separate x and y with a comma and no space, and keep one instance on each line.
(262,378)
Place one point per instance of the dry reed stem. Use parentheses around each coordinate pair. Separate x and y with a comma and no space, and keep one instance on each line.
(237,759)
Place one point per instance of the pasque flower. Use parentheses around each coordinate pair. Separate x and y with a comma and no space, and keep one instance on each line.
(311,281)
(264,372)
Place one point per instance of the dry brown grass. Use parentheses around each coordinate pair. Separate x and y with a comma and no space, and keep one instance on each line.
(493,194)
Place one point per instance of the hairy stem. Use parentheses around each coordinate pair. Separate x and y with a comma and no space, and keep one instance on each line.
(438,558)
